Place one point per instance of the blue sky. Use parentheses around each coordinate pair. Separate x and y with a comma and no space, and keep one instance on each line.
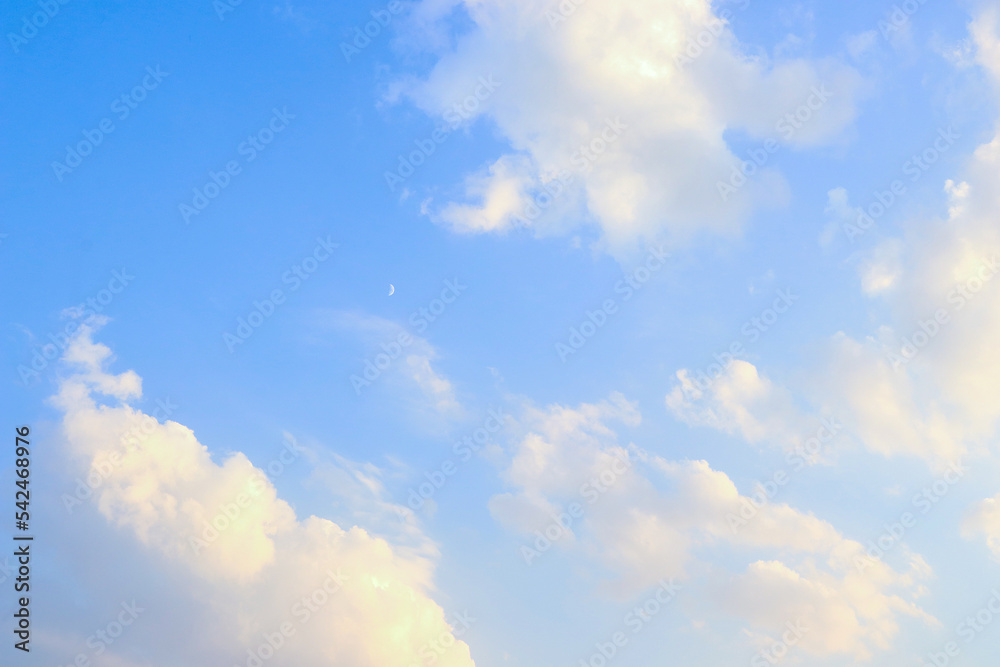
(261,99)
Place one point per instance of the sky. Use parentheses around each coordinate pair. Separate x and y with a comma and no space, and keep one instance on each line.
(502,333)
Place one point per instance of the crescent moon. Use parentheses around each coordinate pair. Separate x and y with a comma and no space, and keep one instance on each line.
(392,290)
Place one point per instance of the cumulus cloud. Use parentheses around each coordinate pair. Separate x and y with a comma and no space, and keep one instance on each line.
(922,382)
(738,401)
(338,595)
(618,114)
(646,518)
(855,385)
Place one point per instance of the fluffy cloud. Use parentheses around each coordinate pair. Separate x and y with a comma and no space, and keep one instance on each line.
(856,385)
(646,518)
(927,376)
(615,112)
(923,382)
(881,271)
(739,401)
(242,549)
(984,519)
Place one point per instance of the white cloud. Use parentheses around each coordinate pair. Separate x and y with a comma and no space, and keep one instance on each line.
(985,30)
(656,518)
(622,63)
(846,615)
(838,212)
(437,390)
(502,193)
(880,405)
(923,382)
(983,519)
(855,384)
(239,546)
(861,44)
(738,401)
(881,271)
